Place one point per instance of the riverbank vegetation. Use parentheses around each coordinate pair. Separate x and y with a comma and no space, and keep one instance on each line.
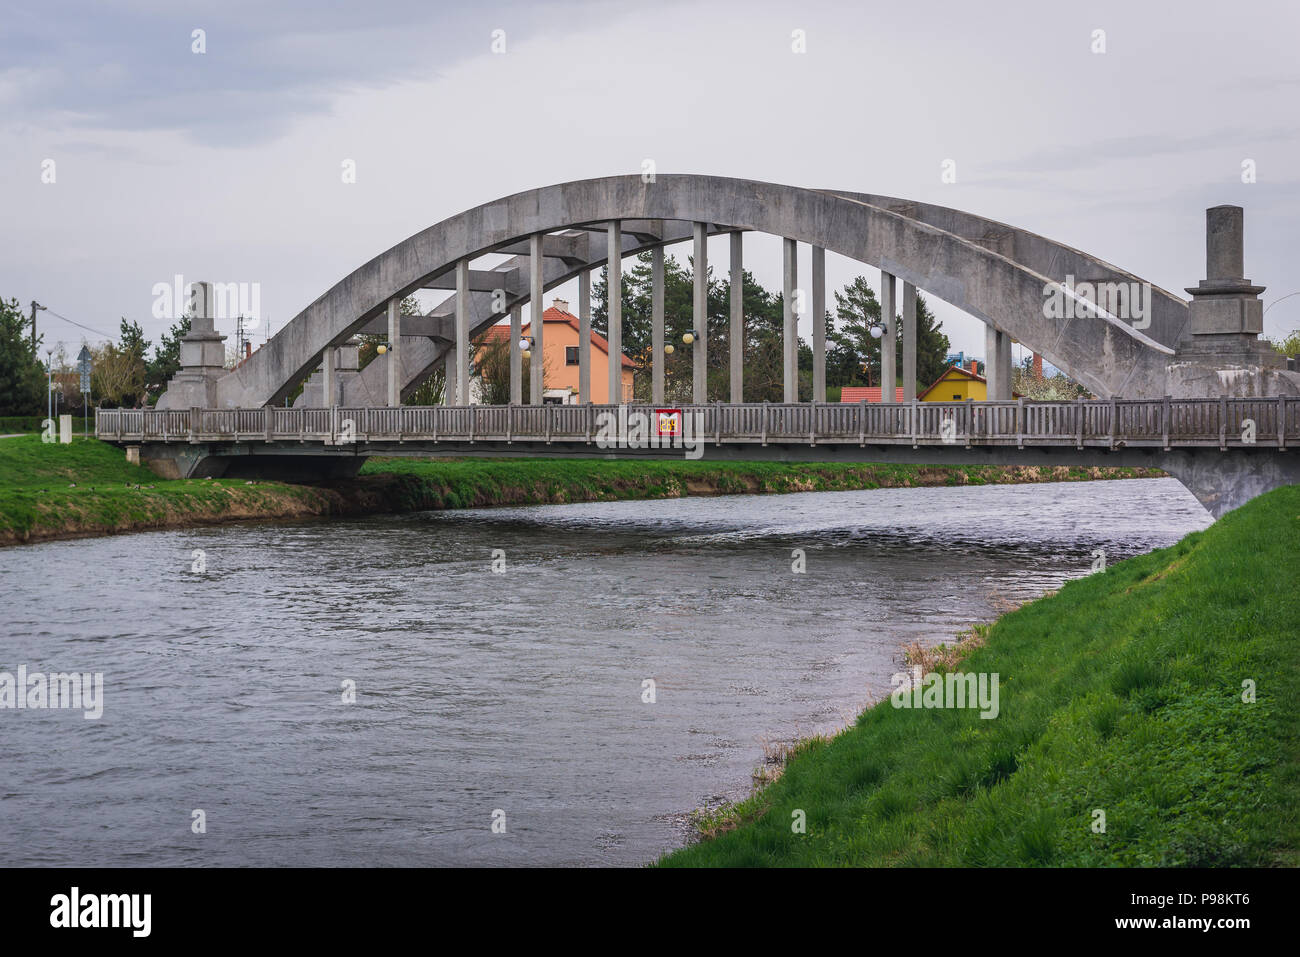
(1148,717)
(88,487)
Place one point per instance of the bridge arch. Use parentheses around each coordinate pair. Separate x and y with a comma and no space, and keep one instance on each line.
(972,263)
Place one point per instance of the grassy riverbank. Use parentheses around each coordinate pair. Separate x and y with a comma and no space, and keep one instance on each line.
(87,488)
(1122,692)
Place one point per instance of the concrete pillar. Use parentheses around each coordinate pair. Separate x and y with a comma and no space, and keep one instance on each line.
(700,316)
(737,346)
(657,325)
(535,309)
(909,342)
(990,359)
(584,337)
(516,360)
(614,310)
(819,323)
(394,357)
(888,352)
(790,326)
(462,328)
(1004,365)
(1225,231)
(451,369)
(997,363)
(329,391)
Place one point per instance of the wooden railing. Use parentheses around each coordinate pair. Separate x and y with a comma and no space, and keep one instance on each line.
(1113,423)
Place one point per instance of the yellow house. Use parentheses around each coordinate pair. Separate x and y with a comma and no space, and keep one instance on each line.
(957,385)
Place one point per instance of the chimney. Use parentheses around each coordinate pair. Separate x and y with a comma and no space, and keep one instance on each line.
(561,304)
(975,366)
(248,350)
(1038,366)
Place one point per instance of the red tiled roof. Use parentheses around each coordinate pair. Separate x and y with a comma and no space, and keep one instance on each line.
(558,315)
(856,393)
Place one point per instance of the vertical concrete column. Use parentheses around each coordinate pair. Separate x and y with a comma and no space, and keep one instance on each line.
(329,391)
(614,310)
(700,316)
(657,325)
(909,342)
(535,309)
(819,323)
(394,352)
(584,337)
(997,363)
(1004,366)
(451,368)
(737,346)
(1225,231)
(462,328)
(516,359)
(888,352)
(790,326)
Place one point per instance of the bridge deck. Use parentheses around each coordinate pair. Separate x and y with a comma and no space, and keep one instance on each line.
(1108,423)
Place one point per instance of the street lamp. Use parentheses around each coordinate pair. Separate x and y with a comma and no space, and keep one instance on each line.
(525,347)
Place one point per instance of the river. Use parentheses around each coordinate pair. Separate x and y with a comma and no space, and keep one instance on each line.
(519,691)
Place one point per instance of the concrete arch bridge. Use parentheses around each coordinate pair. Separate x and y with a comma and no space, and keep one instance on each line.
(1186,386)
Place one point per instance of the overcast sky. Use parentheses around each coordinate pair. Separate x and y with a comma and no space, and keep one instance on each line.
(226,165)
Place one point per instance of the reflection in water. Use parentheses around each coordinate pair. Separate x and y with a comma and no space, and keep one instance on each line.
(478,691)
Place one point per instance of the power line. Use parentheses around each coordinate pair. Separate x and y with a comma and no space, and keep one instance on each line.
(77,324)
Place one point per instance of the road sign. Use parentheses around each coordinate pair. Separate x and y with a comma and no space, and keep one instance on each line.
(83,366)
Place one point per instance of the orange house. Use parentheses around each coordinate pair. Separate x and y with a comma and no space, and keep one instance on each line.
(560,357)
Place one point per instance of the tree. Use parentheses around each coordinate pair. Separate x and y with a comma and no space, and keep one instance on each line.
(22,378)
(932,346)
(855,355)
(492,366)
(762,340)
(118,376)
(166,360)
(1290,346)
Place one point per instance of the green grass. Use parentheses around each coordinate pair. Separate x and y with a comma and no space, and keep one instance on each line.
(38,498)
(49,489)
(458,483)
(1122,692)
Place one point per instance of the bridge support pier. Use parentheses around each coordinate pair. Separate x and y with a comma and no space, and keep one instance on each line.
(584,337)
(329,389)
(657,325)
(614,311)
(789,327)
(909,342)
(736,352)
(516,358)
(535,282)
(818,323)
(888,351)
(462,329)
(394,352)
(700,317)
(997,363)
(450,366)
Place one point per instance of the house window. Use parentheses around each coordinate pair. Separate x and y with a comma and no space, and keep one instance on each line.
(956,397)
(570,355)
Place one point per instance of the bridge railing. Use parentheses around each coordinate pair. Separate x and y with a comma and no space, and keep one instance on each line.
(1269,421)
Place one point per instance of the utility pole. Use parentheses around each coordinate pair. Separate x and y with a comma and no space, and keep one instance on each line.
(35,307)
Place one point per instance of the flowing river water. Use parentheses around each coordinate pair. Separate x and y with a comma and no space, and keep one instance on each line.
(518,691)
